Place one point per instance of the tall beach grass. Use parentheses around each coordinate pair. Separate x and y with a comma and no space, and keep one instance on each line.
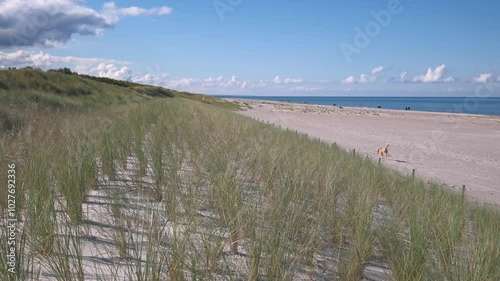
(191,191)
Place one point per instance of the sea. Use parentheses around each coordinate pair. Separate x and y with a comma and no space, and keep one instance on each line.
(468,105)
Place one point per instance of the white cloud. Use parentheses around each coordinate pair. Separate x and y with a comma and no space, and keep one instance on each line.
(483,78)
(363,78)
(114,72)
(306,89)
(348,80)
(434,75)
(402,75)
(210,84)
(259,84)
(278,80)
(94,66)
(293,80)
(212,80)
(181,84)
(234,85)
(112,14)
(449,79)
(378,69)
(233,82)
(151,79)
(44,60)
(50,23)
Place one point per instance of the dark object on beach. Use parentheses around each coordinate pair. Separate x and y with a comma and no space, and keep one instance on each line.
(334,104)
(379,106)
(408,108)
(340,107)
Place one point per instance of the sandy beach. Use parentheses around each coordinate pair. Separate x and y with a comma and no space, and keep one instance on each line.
(454,149)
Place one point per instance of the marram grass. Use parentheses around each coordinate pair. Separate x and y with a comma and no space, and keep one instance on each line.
(192,191)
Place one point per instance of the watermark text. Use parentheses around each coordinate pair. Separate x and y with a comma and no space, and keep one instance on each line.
(11,218)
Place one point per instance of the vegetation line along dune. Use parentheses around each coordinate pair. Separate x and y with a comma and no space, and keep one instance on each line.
(116,182)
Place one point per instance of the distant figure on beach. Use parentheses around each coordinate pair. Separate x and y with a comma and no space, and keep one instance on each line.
(334,104)
(379,106)
(340,107)
(383,151)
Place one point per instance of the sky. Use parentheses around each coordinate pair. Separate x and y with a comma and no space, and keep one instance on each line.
(265,47)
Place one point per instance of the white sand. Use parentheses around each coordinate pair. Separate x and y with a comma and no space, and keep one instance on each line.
(455,149)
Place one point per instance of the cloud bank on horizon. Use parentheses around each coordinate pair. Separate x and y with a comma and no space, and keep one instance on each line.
(283,55)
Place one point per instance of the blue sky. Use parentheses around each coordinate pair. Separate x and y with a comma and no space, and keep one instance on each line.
(280,47)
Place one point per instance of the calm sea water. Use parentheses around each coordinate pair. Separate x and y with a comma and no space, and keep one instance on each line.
(471,105)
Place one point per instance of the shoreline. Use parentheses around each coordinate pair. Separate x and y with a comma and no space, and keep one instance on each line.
(452,149)
(238,99)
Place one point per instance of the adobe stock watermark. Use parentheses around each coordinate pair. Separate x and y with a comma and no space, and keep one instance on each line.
(223,6)
(363,37)
(11,219)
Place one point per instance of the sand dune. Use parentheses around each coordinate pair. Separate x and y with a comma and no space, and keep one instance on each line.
(454,149)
